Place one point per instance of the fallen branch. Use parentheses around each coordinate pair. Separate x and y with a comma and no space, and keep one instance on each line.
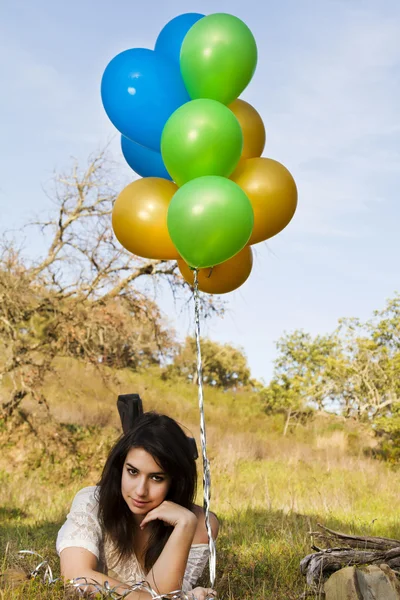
(355,550)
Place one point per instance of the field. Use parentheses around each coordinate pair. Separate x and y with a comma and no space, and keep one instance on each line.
(269,490)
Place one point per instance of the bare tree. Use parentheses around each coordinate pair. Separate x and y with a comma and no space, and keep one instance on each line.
(82,297)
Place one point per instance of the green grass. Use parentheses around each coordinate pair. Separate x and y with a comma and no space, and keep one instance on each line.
(269,491)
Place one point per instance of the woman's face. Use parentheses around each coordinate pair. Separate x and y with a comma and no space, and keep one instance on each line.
(144,484)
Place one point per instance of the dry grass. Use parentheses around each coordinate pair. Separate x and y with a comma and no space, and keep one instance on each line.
(268,490)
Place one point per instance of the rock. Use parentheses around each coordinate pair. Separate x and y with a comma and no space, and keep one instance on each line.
(342,585)
(363,583)
(392,576)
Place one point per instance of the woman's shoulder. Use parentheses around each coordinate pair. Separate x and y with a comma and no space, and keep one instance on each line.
(86,498)
(201,535)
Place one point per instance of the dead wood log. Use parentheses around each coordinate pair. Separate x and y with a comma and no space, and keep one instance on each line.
(330,536)
(355,550)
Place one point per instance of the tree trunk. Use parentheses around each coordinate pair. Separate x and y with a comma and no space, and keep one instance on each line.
(289,414)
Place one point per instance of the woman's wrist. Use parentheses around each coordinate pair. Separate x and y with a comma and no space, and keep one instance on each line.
(188,521)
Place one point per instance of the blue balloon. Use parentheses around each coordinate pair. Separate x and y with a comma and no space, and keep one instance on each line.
(144,161)
(140,90)
(170,39)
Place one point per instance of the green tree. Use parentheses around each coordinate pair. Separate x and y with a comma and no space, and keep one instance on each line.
(223,365)
(354,371)
(304,372)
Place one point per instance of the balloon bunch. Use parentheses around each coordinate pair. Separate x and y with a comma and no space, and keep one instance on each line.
(205,195)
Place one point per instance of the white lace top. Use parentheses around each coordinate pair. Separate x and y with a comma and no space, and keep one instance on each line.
(82,529)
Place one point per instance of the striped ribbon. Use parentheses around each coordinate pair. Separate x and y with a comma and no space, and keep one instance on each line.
(203,437)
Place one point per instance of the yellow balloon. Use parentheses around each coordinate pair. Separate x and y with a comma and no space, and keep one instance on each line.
(272,192)
(222,278)
(139,218)
(252,127)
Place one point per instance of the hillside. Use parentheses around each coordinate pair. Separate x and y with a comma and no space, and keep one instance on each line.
(268,489)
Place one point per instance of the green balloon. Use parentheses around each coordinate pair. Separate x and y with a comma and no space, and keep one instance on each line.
(202,137)
(210,219)
(218,58)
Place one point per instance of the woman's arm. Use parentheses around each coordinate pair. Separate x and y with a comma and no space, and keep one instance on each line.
(189,527)
(167,573)
(77,562)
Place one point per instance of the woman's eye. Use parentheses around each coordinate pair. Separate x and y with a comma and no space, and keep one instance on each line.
(158,478)
(132,471)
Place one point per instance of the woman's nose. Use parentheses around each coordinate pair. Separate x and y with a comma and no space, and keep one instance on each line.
(141,488)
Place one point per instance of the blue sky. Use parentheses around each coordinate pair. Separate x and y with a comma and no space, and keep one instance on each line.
(327,87)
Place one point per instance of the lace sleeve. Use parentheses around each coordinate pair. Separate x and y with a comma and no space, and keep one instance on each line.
(197,560)
(82,528)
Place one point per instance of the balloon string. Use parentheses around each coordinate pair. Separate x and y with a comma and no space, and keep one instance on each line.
(203,438)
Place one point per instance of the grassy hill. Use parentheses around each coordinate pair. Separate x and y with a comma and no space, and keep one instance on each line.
(269,490)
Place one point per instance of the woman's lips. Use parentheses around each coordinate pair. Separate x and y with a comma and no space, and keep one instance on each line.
(139,503)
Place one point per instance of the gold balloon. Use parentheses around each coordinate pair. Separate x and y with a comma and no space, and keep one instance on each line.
(252,127)
(222,278)
(272,192)
(139,218)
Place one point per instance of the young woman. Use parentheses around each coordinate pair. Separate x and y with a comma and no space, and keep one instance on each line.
(140,522)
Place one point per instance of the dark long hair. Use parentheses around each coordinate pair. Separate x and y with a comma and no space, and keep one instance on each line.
(164,439)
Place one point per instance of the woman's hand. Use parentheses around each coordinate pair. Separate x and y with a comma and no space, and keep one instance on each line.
(201,593)
(172,514)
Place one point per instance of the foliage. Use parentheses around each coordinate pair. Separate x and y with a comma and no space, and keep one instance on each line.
(223,365)
(355,371)
(301,375)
